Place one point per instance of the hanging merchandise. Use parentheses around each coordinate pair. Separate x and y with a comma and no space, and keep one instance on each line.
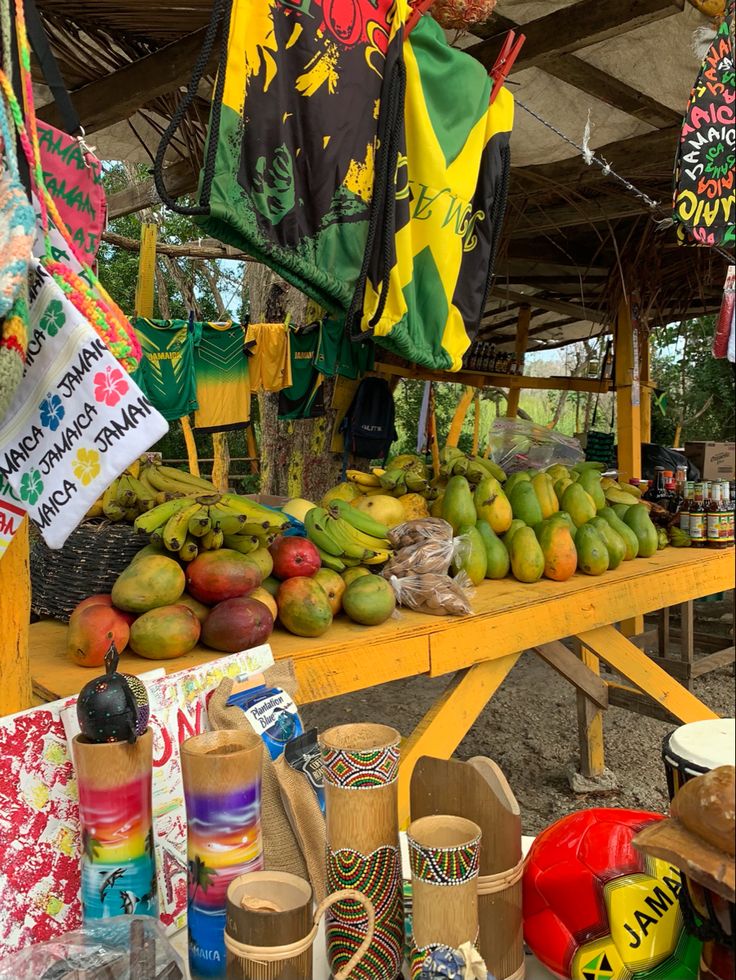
(267,345)
(338,355)
(368,427)
(222,378)
(724,338)
(450,198)
(704,170)
(304,399)
(166,371)
(306,95)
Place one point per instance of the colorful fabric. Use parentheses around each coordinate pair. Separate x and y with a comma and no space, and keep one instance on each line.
(705,203)
(339,355)
(443,963)
(222,377)
(310,88)
(304,398)
(450,197)
(77,420)
(166,371)
(269,363)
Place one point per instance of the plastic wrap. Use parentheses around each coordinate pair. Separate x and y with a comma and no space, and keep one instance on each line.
(435,595)
(519,445)
(420,532)
(124,948)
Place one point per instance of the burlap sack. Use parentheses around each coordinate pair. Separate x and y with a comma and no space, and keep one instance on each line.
(280,848)
(307,821)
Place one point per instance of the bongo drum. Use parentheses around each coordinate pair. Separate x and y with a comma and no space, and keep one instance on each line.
(694,749)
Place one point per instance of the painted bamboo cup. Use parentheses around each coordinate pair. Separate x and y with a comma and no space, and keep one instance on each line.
(444,853)
(271,930)
(118,863)
(361,767)
(222,788)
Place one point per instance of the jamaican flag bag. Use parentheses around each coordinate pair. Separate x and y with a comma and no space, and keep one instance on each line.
(306,92)
(426,278)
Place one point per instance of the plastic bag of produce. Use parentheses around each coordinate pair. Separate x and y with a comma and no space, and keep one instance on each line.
(412,533)
(436,595)
(520,445)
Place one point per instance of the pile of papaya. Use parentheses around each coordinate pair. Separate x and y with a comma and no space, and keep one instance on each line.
(546,523)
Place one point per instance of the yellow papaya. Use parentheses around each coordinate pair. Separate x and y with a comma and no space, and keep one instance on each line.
(516,525)
(544,489)
(558,548)
(527,558)
(492,505)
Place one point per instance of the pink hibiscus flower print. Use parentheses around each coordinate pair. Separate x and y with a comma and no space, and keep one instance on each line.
(110,386)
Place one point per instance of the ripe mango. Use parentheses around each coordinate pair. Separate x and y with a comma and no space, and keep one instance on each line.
(637,518)
(629,538)
(497,557)
(369,600)
(525,503)
(165,632)
(147,583)
(545,491)
(527,558)
(558,548)
(303,607)
(458,507)
(615,544)
(592,552)
(590,481)
(492,505)
(578,504)
(471,554)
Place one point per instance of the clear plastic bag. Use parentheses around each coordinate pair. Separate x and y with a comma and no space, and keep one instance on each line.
(419,532)
(124,948)
(519,445)
(435,595)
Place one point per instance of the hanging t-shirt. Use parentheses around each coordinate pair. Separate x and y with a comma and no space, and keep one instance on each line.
(304,399)
(269,362)
(338,355)
(167,366)
(221,371)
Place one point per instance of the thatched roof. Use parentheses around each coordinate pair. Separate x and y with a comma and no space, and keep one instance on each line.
(571,234)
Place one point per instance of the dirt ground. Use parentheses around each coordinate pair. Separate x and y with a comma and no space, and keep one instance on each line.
(530,729)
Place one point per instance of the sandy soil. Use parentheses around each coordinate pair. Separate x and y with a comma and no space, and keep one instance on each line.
(530,729)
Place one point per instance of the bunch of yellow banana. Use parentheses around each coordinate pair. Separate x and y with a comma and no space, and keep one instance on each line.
(125,498)
(345,536)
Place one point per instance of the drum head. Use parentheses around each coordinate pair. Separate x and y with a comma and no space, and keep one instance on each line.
(704,745)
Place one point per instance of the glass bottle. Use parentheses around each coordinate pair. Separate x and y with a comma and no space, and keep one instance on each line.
(657,493)
(727,514)
(685,507)
(714,517)
(697,517)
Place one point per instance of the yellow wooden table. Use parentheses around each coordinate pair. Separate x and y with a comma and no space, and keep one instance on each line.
(478,650)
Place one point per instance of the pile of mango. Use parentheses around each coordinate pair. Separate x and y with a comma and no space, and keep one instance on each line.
(548,523)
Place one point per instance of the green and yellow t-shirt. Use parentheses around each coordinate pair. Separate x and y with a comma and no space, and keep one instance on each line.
(304,398)
(223,383)
(166,370)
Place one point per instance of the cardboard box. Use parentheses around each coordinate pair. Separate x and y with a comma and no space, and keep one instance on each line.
(715,460)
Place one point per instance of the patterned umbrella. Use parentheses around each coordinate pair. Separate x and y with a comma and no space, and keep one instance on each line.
(704,204)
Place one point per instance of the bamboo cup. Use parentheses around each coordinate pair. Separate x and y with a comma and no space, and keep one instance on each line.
(118,863)
(360,764)
(271,931)
(222,788)
(444,852)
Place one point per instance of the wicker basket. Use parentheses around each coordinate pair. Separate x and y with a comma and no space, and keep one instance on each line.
(90,561)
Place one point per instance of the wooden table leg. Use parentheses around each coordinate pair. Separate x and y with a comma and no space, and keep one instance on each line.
(449,720)
(687,641)
(590,722)
(663,631)
(15,614)
(633,664)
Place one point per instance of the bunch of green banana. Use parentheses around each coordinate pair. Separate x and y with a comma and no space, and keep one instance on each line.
(454,462)
(124,499)
(399,481)
(341,532)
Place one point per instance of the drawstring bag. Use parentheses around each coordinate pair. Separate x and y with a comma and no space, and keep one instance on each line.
(297,154)
(450,198)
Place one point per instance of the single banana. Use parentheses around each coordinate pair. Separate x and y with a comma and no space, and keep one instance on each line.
(315,523)
(157,539)
(154,519)
(254,512)
(244,543)
(96,509)
(110,494)
(331,561)
(183,476)
(143,477)
(359,520)
(124,495)
(189,550)
(415,482)
(341,533)
(378,471)
(351,562)
(134,469)
(493,468)
(378,558)
(175,532)
(369,541)
(363,479)
(212,540)
(114,512)
(200,523)
(141,491)
(228,520)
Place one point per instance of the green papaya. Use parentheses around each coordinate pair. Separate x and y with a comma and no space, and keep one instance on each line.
(560,487)
(620,510)
(558,472)
(630,539)
(458,508)
(615,544)
(471,554)
(592,552)
(497,557)
(521,477)
(527,557)
(638,519)
(590,481)
(578,504)
(525,504)
(516,525)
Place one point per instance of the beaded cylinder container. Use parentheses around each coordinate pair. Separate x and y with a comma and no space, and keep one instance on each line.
(361,768)
(444,853)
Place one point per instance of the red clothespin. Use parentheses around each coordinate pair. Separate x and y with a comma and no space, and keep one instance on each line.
(505,61)
(419,8)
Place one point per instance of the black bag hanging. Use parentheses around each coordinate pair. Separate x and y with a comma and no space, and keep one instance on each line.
(368,427)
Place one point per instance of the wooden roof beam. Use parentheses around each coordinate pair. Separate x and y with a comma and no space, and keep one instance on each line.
(180,178)
(539,219)
(578,26)
(543,303)
(119,95)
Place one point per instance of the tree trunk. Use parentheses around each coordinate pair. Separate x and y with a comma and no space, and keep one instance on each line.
(295,456)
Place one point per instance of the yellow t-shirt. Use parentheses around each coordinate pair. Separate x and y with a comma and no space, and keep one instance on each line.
(270,365)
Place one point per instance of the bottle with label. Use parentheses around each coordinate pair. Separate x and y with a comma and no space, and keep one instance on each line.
(657,493)
(727,515)
(685,507)
(714,516)
(698,529)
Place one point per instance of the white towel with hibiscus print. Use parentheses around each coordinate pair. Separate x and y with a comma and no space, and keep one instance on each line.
(77,419)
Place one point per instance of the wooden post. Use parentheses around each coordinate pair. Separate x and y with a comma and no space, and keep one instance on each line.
(15,614)
(434,446)
(456,426)
(250,438)
(646,387)
(628,394)
(590,723)
(522,335)
(221,461)
(144,289)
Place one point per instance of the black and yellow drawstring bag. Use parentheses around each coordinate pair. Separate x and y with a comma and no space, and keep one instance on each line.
(306,95)
(427,275)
